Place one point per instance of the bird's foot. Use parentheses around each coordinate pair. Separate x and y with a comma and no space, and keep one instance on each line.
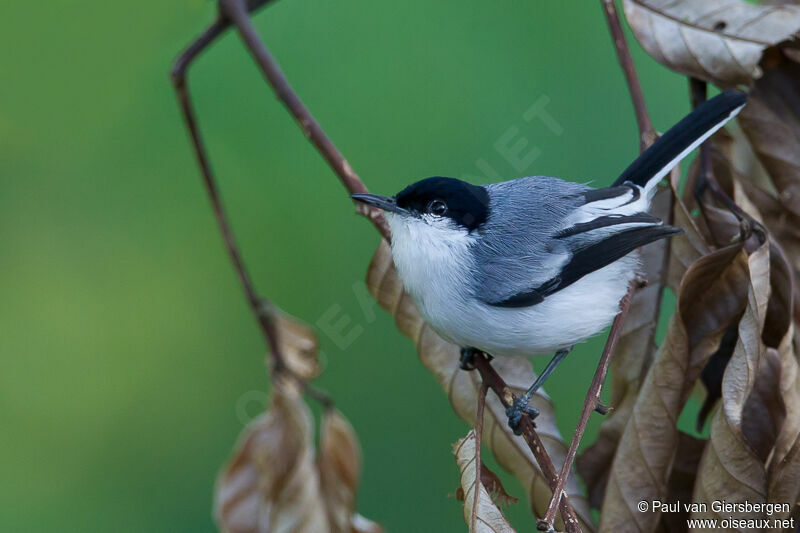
(467,360)
(516,411)
(468,355)
(602,408)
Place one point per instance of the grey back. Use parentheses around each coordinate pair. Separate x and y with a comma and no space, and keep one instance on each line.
(518,251)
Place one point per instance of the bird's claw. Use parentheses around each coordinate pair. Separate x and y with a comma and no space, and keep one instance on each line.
(467,360)
(515,412)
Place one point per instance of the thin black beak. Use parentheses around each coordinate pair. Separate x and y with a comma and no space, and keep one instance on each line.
(381,202)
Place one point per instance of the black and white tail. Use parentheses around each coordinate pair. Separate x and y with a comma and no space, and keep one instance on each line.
(655,162)
(614,221)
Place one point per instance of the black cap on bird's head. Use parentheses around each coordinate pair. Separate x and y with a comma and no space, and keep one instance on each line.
(465,204)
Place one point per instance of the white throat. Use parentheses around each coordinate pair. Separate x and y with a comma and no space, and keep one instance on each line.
(432,256)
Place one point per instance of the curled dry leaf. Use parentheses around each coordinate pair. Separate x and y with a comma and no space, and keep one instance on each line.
(783,302)
(688,247)
(721,41)
(771,122)
(712,295)
(493,485)
(487,517)
(779,333)
(729,153)
(271,483)
(631,360)
(297,343)
(784,229)
(721,227)
(743,431)
(717,225)
(766,443)
(764,411)
(784,470)
(783,474)
(681,480)
(713,372)
(441,358)
(339,465)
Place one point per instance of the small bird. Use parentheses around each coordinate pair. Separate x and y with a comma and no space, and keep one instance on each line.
(533,265)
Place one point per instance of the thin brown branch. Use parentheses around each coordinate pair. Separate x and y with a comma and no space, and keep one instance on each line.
(590,404)
(647,134)
(261,308)
(478,463)
(492,379)
(236,10)
(180,82)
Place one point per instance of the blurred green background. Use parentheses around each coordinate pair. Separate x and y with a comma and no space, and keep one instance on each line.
(130,361)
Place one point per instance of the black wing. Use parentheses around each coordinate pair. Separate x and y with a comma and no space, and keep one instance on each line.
(607,221)
(589,258)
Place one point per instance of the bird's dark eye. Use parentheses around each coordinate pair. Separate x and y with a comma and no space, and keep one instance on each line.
(437,207)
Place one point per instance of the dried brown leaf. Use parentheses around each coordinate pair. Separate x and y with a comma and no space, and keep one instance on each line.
(714,371)
(493,485)
(717,223)
(721,41)
(771,122)
(783,485)
(723,226)
(297,344)
(784,481)
(442,358)
(712,294)
(764,411)
(743,431)
(784,230)
(271,483)
(488,517)
(681,480)
(688,247)
(790,391)
(778,323)
(743,175)
(761,419)
(339,465)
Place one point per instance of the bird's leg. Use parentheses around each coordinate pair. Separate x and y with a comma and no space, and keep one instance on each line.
(467,359)
(520,406)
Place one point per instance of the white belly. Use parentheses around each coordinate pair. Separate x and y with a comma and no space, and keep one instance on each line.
(436,282)
(563,319)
